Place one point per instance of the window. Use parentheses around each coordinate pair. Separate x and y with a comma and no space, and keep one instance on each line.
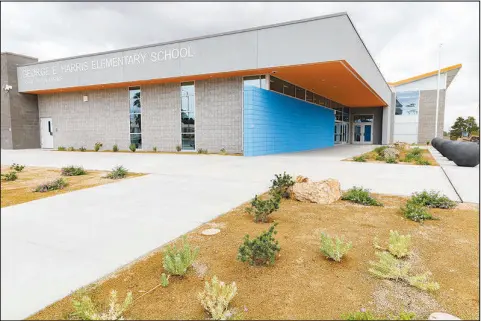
(289,89)
(187,117)
(309,96)
(255,81)
(135,117)
(300,93)
(362,118)
(407,103)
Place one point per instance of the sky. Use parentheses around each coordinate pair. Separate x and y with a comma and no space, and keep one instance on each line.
(403,37)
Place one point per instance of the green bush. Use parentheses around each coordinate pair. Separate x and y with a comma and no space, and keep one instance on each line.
(117,172)
(406,316)
(360,158)
(398,244)
(223,151)
(361,196)
(379,150)
(154,149)
(17,167)
(178,148)
(261,209)
(73,171)
(10,176)
(359,315)
(133,147)
(334,248)
(71,149)
(416,212)
(115,148)
(379,158)
(281,183)
(62,148)
(177,260)
(57,184)
(432,199)
(164,280)
(216,298)
(97,146)
(85,309)
(82,149)
(422,162)
(391,160)
(260,251)
(202,151)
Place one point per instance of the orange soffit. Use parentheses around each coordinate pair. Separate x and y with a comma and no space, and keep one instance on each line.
(426,75)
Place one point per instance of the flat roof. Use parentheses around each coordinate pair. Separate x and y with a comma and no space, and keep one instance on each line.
(201,37)
(426,75)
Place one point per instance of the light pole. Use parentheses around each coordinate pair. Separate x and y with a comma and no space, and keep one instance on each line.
(437,93)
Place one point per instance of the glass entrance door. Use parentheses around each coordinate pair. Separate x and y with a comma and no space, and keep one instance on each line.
(367,137)
(362,134)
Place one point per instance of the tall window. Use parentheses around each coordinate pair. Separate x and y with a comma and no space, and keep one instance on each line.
(256,81)
(407,103)
(187,96)
(135,117)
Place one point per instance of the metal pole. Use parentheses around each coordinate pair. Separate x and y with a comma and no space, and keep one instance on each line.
(437,93)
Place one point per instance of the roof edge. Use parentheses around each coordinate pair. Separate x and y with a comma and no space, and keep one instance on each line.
(18,55)
(425,75)
(280,24)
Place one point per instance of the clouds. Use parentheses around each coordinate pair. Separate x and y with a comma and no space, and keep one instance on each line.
(402,37)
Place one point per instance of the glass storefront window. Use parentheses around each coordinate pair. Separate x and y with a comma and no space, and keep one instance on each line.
(187,115)
(407,103)
(135,112)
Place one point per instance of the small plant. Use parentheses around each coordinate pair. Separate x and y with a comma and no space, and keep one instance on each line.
(17,167)
(222,151)
(216,298)
(62,148)
(178,148)
(97,146)
(117,172)
(428,142)
(261,209)
(202,151)
(379,150)
(363,314)
(71,149)
(398,244)
(334,248)
(10,176)
(115,148)
(388,267)
(432,199)
(178,260)
(260,251)
(391,160)
(281,183)
(361,196)
(422,162)
(406,316)
(379,158)
(57,184)
(86,310)
(416,212)
(154,149)
(360,158)
(164,280)
(82,149)
(73,171)
(133,147)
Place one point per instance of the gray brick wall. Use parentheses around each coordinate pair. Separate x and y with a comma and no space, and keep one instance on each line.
(427,115)
(218,108)
(20,122)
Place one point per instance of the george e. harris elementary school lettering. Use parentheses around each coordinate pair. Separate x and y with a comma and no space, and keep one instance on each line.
(105,63)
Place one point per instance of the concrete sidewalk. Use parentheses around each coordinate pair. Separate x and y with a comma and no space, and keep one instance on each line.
(55,245)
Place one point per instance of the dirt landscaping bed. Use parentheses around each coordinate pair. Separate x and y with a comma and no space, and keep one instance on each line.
(374,157)
(20,190)
(303,284)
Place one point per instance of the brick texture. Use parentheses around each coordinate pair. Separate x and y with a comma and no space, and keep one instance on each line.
(427,115)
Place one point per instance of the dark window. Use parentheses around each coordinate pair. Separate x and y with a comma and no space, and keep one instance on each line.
(135,111)
(300,93)
(187,115)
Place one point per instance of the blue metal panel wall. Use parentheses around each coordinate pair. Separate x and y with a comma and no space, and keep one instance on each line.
(275,123)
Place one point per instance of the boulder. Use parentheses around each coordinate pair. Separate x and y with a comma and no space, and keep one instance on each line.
(390,153)
(323,192)
(442,316)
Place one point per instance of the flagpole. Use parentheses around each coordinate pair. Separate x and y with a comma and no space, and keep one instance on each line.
(437,93)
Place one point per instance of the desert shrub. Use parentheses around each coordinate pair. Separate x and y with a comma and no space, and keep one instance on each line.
(85,309)
(71,149)
(202,151)
(389,153)
(400,146)
(412,158)
(379,158)
(97,146)
(177,260)
(422,162)
(178,148)
(154,149)
(164,280)
(361,196)
(117,172)
(432,199)
(334,248)
(59,183)
(216,298)
(388,267)
(379,150)
(398,244)
(223,151)
(405,316)
(260,251)
(281,183)
(360,158)
(73,171)
(62,148)
(17,167)
(115,148)
(391,160)
(416,212)
(133,147)
(363,314)
(10,176)
(82,149)
(261,209)
(416,151)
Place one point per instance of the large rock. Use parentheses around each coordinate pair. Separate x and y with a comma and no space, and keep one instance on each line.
(323,192)
(442,316)
(390,153)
